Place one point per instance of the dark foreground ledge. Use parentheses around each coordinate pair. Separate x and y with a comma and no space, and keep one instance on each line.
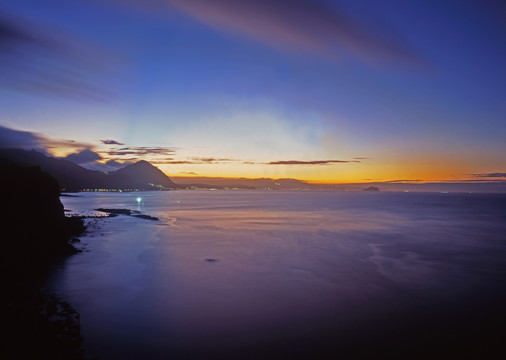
(35,236)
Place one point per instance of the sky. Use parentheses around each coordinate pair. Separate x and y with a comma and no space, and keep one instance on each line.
(318,90)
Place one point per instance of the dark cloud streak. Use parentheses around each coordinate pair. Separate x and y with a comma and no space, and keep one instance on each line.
(172,162)
(11,138)
(193,161)
(111,142)
(211,160)
(491,175)
(140,151)
(311,162)
(302,25)
(36,58)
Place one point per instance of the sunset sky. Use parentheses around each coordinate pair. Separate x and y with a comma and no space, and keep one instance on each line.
(324,91)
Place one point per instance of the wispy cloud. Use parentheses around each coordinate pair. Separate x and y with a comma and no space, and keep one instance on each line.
(111,142)
(141,151)
(311,162)
(94,161)
(211,160)
(12,138)
(403,181)
(171,162)
(108,166)
(195,160)
(302,25)
(490,175)
(84,154)
(41,59)
(116,164)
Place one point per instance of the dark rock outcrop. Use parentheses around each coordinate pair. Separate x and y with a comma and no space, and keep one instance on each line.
(38,230)
(116,212)
(35,235)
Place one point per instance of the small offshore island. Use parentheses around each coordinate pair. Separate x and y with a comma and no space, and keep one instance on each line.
(371,188)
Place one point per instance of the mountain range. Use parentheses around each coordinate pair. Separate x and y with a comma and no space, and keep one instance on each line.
(72,177)
(144,176)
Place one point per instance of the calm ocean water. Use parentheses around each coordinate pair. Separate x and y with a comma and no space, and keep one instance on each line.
(253,274)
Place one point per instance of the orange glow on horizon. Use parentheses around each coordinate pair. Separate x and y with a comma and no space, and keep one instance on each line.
(410,167)
(406,167)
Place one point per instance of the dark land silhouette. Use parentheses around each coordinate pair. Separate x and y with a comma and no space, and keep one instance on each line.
(35,236)
(35,325)
(144,176)
(72,177)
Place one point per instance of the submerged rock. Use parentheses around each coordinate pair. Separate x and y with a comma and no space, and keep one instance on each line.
(116,212)
(147,217)
(371,188)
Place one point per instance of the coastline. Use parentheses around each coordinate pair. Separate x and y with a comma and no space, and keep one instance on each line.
(417,328)
(36,324)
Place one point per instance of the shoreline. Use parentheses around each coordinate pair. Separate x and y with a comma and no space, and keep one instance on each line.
(426,329)
(39,324)
(38,237)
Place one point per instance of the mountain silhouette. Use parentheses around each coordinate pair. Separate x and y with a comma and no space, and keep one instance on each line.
(140,175)
(72,177)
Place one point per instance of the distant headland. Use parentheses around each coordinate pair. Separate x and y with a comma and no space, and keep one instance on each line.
(142,175)
(72,177)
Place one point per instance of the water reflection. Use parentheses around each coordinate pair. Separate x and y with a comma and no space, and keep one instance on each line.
(317,271)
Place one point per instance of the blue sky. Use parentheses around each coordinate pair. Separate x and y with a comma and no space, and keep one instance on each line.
(415,87)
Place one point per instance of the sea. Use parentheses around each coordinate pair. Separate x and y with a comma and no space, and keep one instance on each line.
(250,274)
